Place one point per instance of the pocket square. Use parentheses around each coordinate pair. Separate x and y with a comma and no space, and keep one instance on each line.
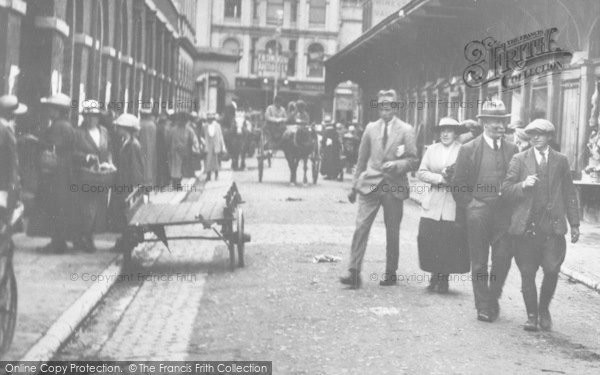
(400,151)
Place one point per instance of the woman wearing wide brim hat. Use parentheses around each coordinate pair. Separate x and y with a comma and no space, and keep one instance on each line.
(441,250)
(92,147)
(129,174)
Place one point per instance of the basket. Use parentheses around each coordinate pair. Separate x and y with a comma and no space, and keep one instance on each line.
(96,176)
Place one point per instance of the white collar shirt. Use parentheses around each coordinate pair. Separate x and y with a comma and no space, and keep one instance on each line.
(538,154)
(490,141)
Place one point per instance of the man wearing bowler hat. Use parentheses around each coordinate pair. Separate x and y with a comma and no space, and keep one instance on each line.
(386,154)
(540,186)
(480,169)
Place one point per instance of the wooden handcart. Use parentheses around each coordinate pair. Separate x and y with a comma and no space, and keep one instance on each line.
(218,206)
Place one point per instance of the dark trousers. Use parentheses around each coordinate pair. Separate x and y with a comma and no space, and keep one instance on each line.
(486,227)
(368,206)
(531,252)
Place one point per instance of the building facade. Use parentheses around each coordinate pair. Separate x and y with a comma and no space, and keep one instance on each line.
(119,52)
(541,57)
(304,32)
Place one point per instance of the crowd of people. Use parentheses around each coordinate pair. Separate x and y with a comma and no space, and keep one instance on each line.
(495,189)
(338,143)
(85,169)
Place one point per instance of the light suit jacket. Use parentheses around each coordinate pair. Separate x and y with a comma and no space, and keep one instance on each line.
(438,203)
(372,156)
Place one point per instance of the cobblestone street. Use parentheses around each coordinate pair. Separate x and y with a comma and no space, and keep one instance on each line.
(283,307)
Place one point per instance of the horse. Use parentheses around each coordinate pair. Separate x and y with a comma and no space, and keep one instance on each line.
(237,143)
(298,143)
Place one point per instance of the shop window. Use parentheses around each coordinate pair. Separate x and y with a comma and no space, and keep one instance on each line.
(314,61)
(271,45)
(233,9)
(318,12)
(539,103)
(274,9)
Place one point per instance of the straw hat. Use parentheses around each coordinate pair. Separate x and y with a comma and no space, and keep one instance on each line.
(59,100)
(450,123)
(127,120)
(11,103)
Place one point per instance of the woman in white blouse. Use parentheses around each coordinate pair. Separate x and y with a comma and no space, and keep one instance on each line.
(441,249)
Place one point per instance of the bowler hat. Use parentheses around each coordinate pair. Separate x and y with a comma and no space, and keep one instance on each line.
(540,125)
(493,109)
(58,100)
(11,103)
(128,120)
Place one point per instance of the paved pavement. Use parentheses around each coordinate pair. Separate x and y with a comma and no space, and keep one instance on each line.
(285,308)
(48,284)
(582,262)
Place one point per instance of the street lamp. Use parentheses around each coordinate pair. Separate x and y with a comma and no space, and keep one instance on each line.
(277,44)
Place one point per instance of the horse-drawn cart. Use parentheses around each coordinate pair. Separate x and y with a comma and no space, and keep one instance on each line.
(218,206)
(298,142)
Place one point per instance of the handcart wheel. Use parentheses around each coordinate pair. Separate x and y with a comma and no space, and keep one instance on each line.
(240,237)
(8,307)
(231,248)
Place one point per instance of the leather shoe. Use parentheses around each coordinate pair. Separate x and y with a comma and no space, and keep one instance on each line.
(352,280)
(531,324)
(545,321)
(484,316)
(495,310)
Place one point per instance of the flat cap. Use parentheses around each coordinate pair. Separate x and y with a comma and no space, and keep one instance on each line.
(388,96)
(540,125)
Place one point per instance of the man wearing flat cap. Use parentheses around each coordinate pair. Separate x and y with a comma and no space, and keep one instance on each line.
(540,187)
(386,154)
(9,165)
(480,169)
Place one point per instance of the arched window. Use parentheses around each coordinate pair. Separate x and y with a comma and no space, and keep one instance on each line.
(314,60)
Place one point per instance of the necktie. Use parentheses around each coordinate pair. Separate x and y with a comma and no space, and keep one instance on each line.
(543,161)
(496,144)
(385,134)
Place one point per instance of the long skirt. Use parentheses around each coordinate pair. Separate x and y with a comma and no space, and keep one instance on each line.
(442,248)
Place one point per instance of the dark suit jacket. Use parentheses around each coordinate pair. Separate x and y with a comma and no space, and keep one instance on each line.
(563,198)
(468,163)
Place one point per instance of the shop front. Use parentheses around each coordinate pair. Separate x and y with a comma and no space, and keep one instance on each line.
(445,58)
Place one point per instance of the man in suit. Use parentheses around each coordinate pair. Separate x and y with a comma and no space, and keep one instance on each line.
(387,152)
(480,169)
(540,186)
